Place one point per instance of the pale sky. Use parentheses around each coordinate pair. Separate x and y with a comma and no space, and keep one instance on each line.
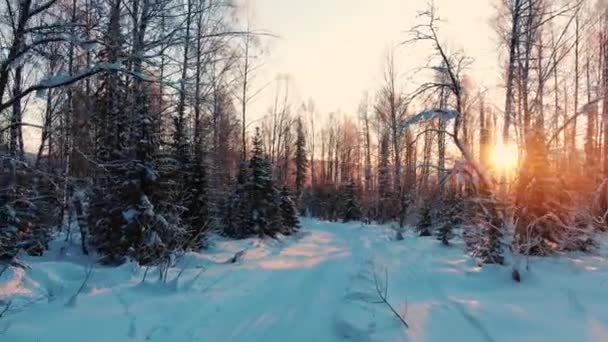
(334,49)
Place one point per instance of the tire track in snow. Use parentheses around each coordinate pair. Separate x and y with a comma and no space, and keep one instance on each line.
(292,292)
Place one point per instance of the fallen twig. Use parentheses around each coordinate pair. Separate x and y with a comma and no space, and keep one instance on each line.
(6,308)
(88,272)
(383,295)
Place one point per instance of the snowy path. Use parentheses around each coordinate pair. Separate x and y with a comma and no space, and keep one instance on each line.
(315,287)
(298,291)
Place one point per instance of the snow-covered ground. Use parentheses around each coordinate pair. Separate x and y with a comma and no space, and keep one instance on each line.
(317,286)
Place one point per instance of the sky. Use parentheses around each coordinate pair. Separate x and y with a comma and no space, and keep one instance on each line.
(333,50)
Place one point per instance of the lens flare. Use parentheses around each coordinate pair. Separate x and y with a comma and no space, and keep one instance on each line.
(504,157)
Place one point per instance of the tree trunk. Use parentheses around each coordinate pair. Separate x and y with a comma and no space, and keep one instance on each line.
(514,41)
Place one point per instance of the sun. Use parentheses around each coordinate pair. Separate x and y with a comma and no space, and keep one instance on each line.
(504,157)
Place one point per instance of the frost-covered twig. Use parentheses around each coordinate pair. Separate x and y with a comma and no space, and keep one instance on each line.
(87,276)
(11,308)
(237,256)
(200,272)
(7,306)
(132,333)
(383,295)
(3,270)
(59,81)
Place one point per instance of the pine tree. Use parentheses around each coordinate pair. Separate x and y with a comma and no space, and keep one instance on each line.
(300,160)
(106,218)
(532,197)
(489,249)
(262,194)
(351,211)
(26,214)
(199,205)
(425,222)
(546,223)
(191,181)
(289,214)
(255,206)
(237,222)
(223,148)
(449,216)
(135,210)
(384,182)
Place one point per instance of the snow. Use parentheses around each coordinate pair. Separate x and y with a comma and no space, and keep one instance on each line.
(315,286)
(429,114)
(58,80)
(130,214)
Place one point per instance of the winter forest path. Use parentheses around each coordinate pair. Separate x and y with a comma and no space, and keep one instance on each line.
(296,291)
(315,286)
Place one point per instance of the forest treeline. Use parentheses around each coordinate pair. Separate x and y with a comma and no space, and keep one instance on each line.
(147,144)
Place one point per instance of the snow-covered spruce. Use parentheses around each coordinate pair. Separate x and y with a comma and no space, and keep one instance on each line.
(257,208)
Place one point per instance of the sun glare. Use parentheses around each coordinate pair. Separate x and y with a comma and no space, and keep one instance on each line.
(504,157)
